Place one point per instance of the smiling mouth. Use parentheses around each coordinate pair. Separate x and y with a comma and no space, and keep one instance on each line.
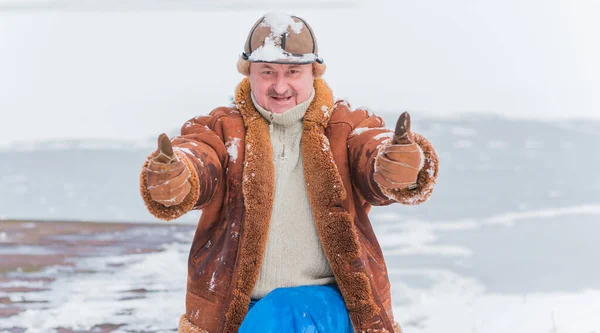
(281,99)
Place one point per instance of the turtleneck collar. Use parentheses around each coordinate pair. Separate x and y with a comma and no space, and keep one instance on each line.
(287,118)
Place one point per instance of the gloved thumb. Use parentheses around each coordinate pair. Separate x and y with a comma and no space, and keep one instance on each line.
(402,134)
(165,150)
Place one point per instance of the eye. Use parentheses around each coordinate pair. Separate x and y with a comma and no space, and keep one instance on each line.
(294,71)
(267,72)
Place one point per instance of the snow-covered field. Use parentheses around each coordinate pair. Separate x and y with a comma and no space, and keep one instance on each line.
(128,280)
(515,272)
(518,272)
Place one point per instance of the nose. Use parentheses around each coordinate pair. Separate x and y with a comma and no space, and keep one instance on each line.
(280,86)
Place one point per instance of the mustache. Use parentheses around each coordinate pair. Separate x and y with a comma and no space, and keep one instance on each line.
(288,93)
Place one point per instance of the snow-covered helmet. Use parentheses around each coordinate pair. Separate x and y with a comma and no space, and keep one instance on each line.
(282,39)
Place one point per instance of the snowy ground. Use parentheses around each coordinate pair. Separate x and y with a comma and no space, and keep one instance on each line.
(494,274)
(522,272)
(110,278)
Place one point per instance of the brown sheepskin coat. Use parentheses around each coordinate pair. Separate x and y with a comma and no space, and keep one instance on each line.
(230,155)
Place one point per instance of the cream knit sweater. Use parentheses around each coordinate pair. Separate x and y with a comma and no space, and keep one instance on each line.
(294,255)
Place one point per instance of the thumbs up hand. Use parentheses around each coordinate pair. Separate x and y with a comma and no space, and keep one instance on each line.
(167,176)
(397,166)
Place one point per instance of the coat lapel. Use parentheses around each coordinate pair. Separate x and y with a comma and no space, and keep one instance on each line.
(335,225)
(258,187)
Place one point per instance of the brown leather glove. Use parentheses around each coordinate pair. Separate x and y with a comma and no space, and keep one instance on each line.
(397,166)
(167,176)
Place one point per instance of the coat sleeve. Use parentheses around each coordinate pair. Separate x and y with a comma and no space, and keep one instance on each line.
(204,153)
(366,139)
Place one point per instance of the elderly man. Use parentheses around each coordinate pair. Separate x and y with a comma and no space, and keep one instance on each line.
(285,178)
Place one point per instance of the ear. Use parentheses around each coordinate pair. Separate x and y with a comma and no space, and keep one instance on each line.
(243,66)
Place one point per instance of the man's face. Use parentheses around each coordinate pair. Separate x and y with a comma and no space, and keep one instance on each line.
(278,87)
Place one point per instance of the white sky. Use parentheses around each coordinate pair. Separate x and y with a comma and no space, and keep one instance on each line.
(133,75)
